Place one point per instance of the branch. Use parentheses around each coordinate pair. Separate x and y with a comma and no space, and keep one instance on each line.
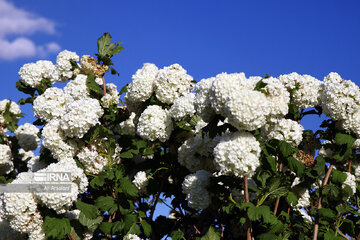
(326,179)
(248,223)
(104,86)
(156,201)
(71,236)
(278,199)
(349,169)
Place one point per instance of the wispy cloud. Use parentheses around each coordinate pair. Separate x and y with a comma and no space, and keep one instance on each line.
(18,23)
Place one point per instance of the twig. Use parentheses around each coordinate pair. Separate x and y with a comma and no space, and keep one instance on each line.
(71,236)
(156,201)
(343,235)
(349,169)
(326,179)
(248,223)
(196,229)
(104,86)
(277,199)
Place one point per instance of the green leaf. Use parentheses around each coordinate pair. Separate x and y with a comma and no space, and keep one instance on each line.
(106,48)
(267,236)
(129,220)
(90,211)
(118,227)
(348,226)
(296,166)
(128,187)
(292,199)
(338,176)
(271,162)
(134,229)
(177,235)
(106,204)
(124,89)
(211,235)
(285,149)
(95,89)
(74,234)
(344,139)
(91,224)
(106,227)
(147,228)
(326,212)
(24,88)
(58,228)
(259,85)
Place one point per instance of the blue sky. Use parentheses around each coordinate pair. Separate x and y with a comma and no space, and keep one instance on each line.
(205,37)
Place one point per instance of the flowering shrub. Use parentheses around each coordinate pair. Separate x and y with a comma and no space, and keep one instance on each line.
(227,155)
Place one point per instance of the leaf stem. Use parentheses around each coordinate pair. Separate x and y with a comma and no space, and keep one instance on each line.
(326,179)
(104,86)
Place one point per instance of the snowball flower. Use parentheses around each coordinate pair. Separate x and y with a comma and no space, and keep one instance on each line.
(284,130)
(92,160)
(63,64)
(77,88)
(196,153)
(351,182)
(31,74)
(54,139)
(128,126)
(171,83)
(51,104)
(155,123)
(140,181)
(183,107)
(27,136)
(237,154)
(132,237)
(142,85)
(80,116)
(6,163)
(202,101)
(112,96)
(247,109)
(194,186)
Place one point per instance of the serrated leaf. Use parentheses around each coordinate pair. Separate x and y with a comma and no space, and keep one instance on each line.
(326,212)
(134,229)
(285,149)
(177,235)
(129,220)
(106,227)
(106,204)
(124,89)
(296,166)
(211,235)
(93,86)
(338,176)
(292,199)
(344,139)
(90,211)
(74,234)
(118,227)
(57,228)
(91,224)
(128,187)
(146,227)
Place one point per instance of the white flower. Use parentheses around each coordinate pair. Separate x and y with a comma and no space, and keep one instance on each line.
(128,126)
(63,64)
(247,109)
(224,85)
(202,101)
(6,163)
(80,116)
(54,139)
(307,218)
(62,201)
(194,186)
(77,88)
(132,237)
(183,107)
(140,181)
(284,130)
(237,154)
(357,170)
(171,83)
(92,160)
(112,96)
(305,89)
(196,153)
(278,97)
(155,123)
(351,182)
(27,136)
(142,86)
(31,74)
(14,109)
(340,98)
(51,104)
(352,123)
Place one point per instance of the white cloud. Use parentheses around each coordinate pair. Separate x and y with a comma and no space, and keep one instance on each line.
(18,22)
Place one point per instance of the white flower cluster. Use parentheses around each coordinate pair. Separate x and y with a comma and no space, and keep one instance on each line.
(91,159)
(27,136)
(31,74)
(305,89)
(286,130)
(21,209)
(351,182)
(171,83)
(196,153)
(183,107)
(155,123)
(14,109)
(64,66)
(80,116)
(6,163)
(128,126)
(202,101)
(237,154)
(194,186)
(112,96)
(77,88)
(140,181)
(142,86)
(357,170)
(62,201)
(132,237)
